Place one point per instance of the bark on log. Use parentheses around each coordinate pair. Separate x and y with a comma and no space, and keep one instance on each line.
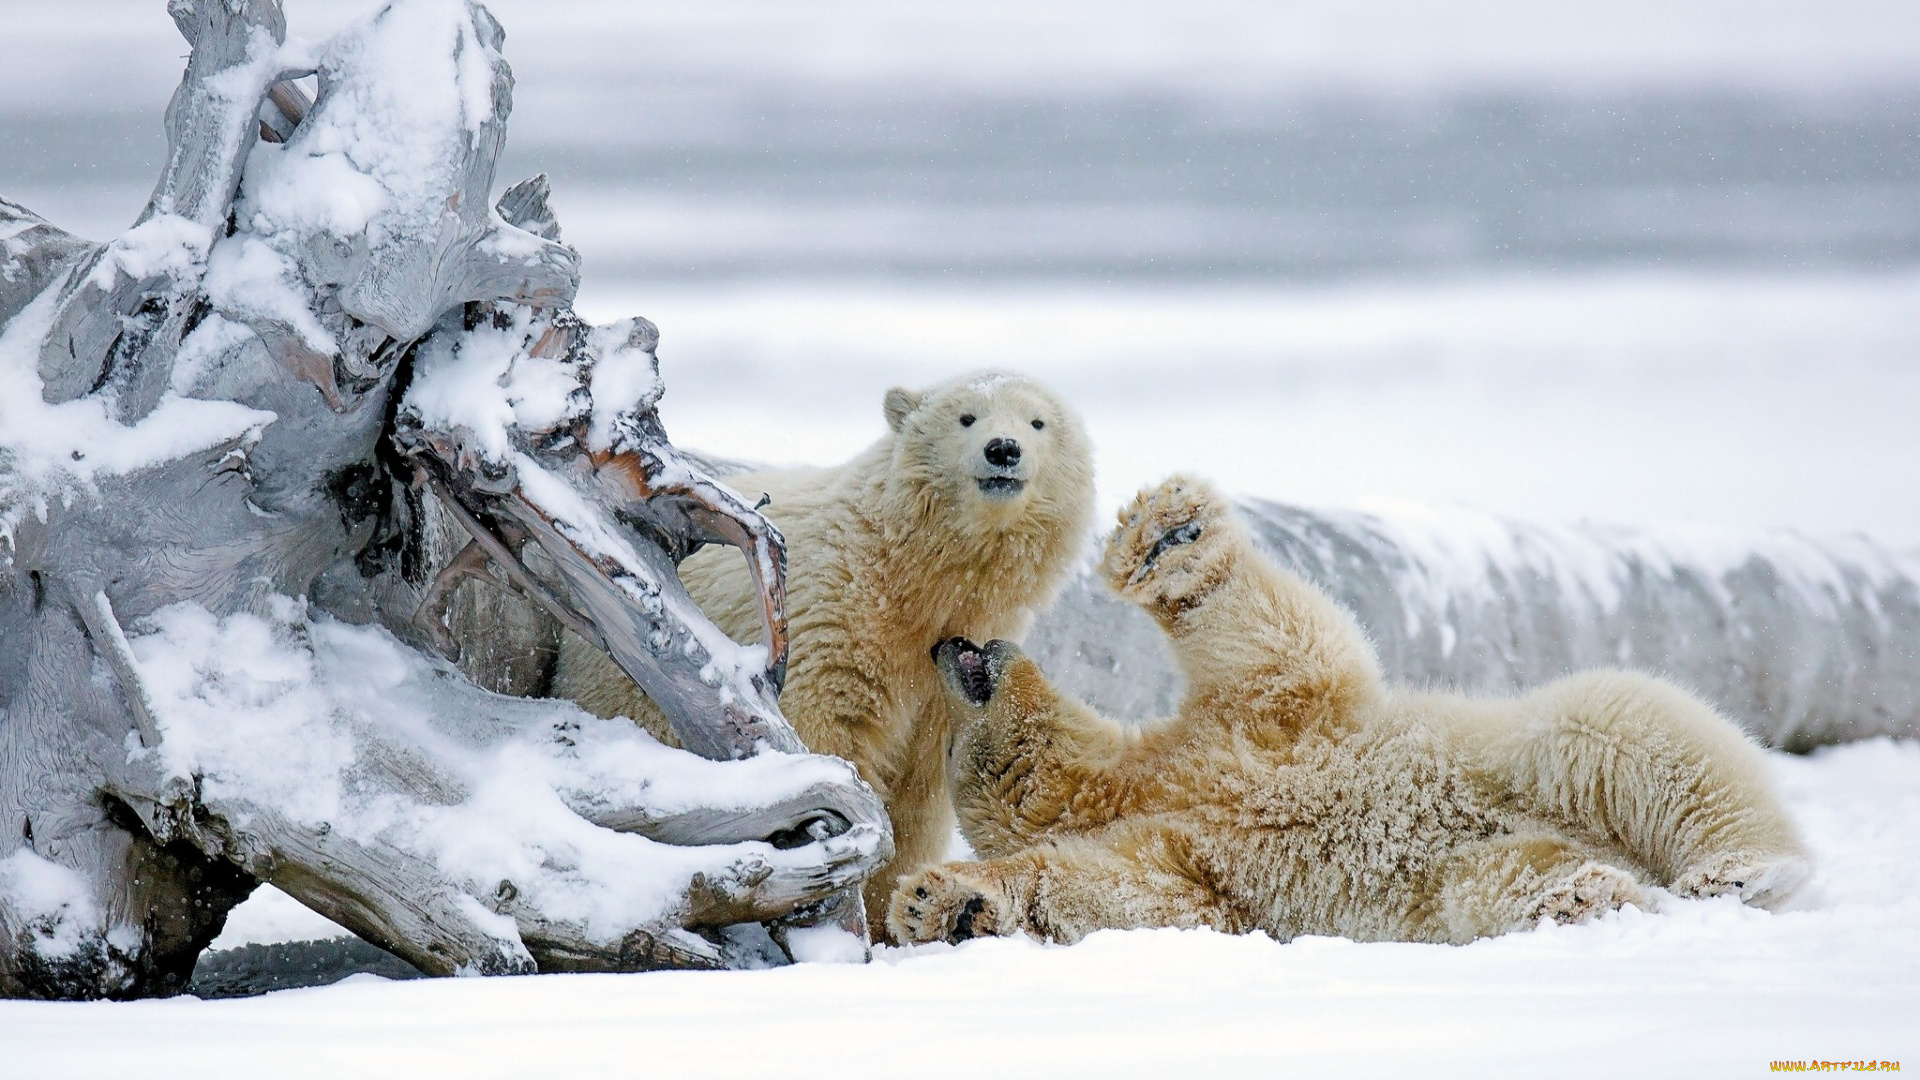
(1803,642)
(221,413)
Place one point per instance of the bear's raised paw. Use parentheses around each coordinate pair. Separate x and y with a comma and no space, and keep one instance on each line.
(1167,538)
(938,905)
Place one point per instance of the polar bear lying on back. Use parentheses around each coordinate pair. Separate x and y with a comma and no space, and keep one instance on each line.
(1294,793)
(964,518)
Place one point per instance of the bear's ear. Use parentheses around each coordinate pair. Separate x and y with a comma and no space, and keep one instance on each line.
(899,403)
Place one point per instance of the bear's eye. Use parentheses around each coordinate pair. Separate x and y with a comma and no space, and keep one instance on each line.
(1038,424)
(966,419)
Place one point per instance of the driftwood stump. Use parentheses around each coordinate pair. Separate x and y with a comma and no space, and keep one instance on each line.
(223,646)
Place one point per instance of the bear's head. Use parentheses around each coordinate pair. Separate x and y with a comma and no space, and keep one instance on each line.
(991,454)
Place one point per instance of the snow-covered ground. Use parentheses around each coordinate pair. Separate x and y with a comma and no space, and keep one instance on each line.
(1695,989)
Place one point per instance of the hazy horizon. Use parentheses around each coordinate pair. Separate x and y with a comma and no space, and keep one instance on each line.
(1050,139)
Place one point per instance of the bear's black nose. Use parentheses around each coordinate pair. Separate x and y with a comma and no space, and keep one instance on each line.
(1003,453)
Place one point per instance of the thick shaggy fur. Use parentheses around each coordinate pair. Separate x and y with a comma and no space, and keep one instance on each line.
(1294,793)
(925,535)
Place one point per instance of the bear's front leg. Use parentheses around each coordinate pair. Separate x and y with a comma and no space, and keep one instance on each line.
(1027,763)
(1139,874)
(919,807)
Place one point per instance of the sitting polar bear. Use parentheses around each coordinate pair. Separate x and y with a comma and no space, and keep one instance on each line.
(963,519)
(1294,793)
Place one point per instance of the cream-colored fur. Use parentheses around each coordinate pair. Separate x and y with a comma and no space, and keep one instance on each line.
(886,555)
(1295,793)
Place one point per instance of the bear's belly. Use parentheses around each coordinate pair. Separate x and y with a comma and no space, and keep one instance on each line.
(1343,841)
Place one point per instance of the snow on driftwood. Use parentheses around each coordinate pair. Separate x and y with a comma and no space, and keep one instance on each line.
(360,742)
(1802,641)
(218,611)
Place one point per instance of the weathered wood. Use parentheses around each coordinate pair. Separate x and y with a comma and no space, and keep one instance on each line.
(631,601)
(110,641)
(33,254)
(242,372)
(386,886)
(120,329)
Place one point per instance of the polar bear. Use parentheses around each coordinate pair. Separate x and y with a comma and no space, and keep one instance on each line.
(1294,793)
(964,518)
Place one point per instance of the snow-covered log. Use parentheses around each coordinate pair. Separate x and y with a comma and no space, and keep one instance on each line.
(1803,641)
(225,437)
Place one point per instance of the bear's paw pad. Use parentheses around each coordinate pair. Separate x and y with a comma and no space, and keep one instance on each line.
(1592,889)
(1173,525)
(938,905)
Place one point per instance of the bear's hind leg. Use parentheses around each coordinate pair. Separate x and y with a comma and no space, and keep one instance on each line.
(1063,891)
(1649,766)
(1512,882)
